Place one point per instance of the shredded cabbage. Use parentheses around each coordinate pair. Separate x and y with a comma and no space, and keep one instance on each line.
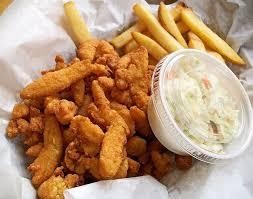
(201,107)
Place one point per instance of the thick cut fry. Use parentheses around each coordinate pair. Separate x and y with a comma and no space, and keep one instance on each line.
(167,21)
(130,46)
(78,92)
(176,12)
(195,42)
(126,36)
(210,38)
(152,46)
(182,27)
(49,157)
(216,55)
(78,27)
(158,32)
(54,82)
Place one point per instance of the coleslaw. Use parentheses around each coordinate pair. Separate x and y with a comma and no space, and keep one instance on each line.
(201,106)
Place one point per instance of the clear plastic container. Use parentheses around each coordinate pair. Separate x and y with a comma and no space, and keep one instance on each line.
(172,134)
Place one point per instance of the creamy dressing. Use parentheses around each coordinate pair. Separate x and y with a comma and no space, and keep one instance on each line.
(200,105)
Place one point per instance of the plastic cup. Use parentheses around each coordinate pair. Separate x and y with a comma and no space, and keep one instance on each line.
(168,131)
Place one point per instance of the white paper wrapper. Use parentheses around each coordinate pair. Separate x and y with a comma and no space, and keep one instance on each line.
(33,31)
(128,188)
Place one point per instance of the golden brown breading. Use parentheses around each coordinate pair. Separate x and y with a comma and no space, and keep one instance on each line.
(125,114)
(141,121)
(23,126)
(96,117)
(87,131)
(20,111)
(106,83)
(34,150)
(54,187)
(32,138)
(136,146)
(37,103)
(44,165)
(57,81)
(64,110)
(83,109)
(183,162)
(122,171)
(133,167)
(76,161)
(163,163)
(155,145)
(34,112)
(144,158)
(122,97)
(68,136)
(37,124)
(78,89)
(12,129)
(110,60)
(93,49)
(112,149)
(132,74)
(111,154)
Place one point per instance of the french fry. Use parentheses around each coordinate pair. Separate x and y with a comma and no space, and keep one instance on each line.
(195,42)
(216,55)
(157,31)
(210,38)
(78,27)
(169,24)
(126,36)
(182,27)
(130,46)
(152,47)
(176,12)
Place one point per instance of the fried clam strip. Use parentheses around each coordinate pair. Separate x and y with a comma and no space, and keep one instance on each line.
(122,171)
(89,136)
(141,121)
(49,157)
(98,51)
(56,81)
(112,148)
(64,110)
(124,112)
(54,187)
(133,75)
(76,161)
(77,90)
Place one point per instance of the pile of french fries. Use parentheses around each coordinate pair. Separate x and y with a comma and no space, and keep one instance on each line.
(172,30)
